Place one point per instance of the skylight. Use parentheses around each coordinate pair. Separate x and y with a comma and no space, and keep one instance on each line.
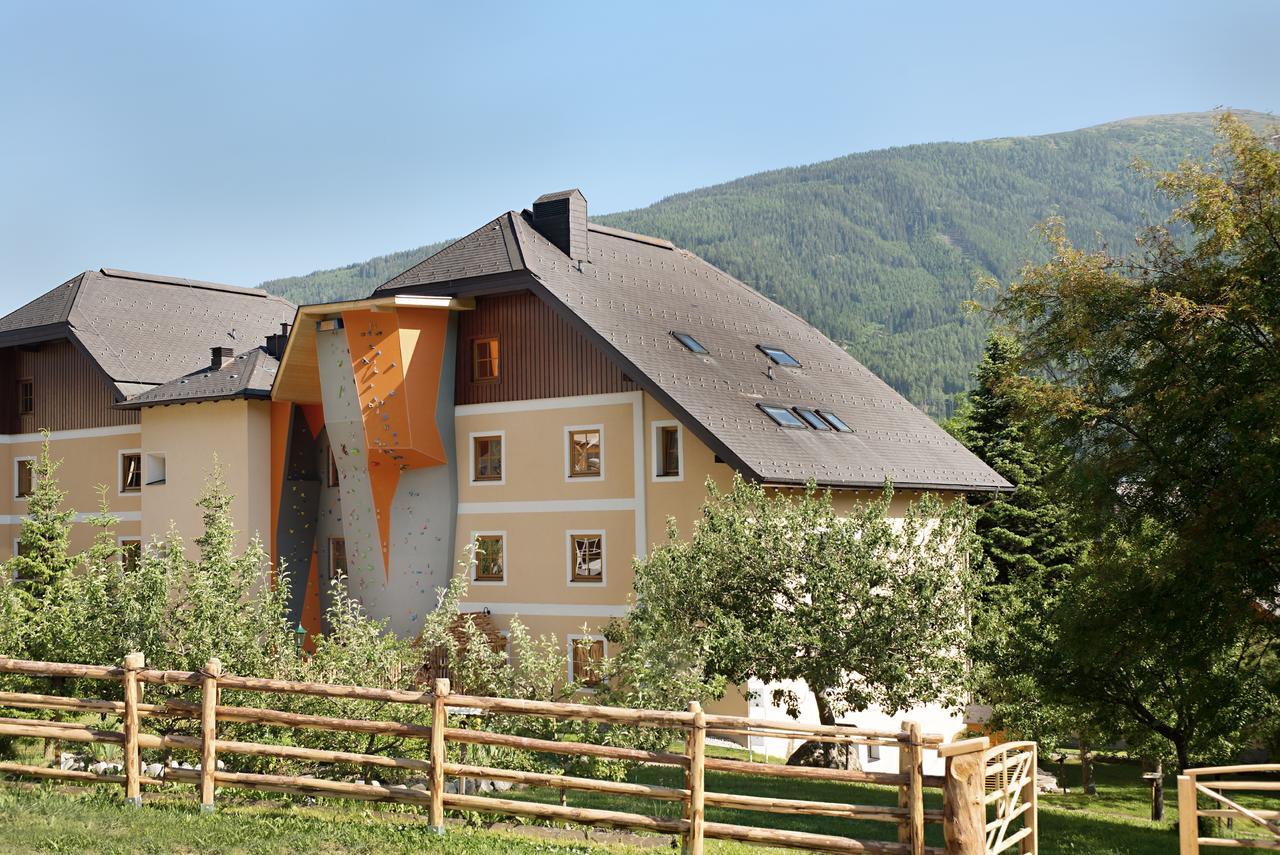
(779,356)
(835,421)
(814,420)
(689,342)
(782,416)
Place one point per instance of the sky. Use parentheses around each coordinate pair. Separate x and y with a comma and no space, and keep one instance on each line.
(238,142)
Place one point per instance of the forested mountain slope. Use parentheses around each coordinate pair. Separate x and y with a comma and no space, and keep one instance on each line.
(881,249)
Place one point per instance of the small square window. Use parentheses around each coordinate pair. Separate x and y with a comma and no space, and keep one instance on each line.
(586,656)
(333,469)
(588,557)
(782,416)
(584,454)
(154,470)
(689,342)
(26,397)
(873,753)
(668,451)
(130,472)
(24,477)
(489,560)
(487,458)
(337,558)
(130,552)
(812,418)
(779,356)
(484,359)
(835,421)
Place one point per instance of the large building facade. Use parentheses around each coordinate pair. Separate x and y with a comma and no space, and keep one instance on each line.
(527,407)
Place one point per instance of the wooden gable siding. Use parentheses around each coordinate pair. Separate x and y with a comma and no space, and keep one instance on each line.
(540,355)
(70,392)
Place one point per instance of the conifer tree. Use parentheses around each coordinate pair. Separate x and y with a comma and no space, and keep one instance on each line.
(44,543)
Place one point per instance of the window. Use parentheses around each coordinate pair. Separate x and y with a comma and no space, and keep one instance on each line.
(873,753)
(586,557)
(24,477)
(689,342)
(486,458)
(779,356)
(782,416)
(337,558)
(26,397)
(585,453)
(835,421)
(154,469)
(130,471)
(586,653)
(130,552)
(333,469)
(489,557)
(812,418)
(484,359)
(666,450)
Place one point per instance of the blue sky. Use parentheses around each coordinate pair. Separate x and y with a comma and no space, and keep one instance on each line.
(244,141)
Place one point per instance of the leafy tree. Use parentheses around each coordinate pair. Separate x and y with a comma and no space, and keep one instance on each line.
(1159,373)
(863,608)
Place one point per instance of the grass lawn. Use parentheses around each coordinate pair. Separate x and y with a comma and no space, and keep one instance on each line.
(93,819)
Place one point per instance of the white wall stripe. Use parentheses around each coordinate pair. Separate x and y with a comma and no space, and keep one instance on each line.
(121,516)
(548,609)
(550,506)
(82,433)
(612,398)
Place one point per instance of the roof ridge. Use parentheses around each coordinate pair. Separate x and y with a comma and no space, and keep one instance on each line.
(182,281)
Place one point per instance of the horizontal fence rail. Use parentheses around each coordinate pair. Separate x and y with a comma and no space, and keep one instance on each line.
(971,767)
(1210,785)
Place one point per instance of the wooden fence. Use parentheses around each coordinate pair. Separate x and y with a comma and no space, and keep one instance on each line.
(976,778)
(1205,782)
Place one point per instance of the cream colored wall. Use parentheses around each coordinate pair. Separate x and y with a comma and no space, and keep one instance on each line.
(89,457)
(190,435)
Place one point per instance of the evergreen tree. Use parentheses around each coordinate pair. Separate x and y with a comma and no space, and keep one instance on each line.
(44,543)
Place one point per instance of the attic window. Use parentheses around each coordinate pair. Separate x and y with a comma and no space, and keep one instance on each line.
(814,420)
(779,356)
(782,416)
(835,421)
(689,342)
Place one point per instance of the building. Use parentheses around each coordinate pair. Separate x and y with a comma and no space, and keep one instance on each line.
(93,360)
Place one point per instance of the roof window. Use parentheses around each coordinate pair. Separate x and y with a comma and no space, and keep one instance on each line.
(812,418)
(835,421)
(779,356)
(689,342)
(782,416)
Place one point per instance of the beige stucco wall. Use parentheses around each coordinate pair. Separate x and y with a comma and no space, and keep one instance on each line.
(238,433)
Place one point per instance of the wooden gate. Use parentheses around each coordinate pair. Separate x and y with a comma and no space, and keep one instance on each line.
(1259,827)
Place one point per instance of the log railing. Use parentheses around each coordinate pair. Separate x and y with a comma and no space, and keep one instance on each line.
(964,816)
(1206,784)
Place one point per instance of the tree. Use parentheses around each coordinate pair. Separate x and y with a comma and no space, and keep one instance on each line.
(863,608)
(44,541)
(1159,373)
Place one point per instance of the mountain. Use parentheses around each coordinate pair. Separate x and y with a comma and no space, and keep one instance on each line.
(881,249)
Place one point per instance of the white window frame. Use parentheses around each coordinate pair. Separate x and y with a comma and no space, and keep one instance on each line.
(655,440)
(571,554)
(471,563)
(131,538)
(471,457)
(569,477)
(17,541)
(146,469)
(873,753)
(17,462)
(142,480)
(573,640)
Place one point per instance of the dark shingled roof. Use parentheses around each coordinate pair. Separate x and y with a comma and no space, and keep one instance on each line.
(249,375)
(631,292)
(142,329)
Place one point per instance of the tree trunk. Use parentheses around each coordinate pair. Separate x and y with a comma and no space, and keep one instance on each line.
(828,717)
(1086,769)
(1184,754)
(1157,793)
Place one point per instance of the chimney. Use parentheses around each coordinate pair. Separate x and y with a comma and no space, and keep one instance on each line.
(219,356)
(276,342)
(562,219)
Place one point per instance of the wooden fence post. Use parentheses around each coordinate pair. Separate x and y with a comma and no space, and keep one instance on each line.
(964,810)
(208,732)
(911,794)
(438,724)
(696,751)
(1030,845)
(133,663)
(1188,822)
